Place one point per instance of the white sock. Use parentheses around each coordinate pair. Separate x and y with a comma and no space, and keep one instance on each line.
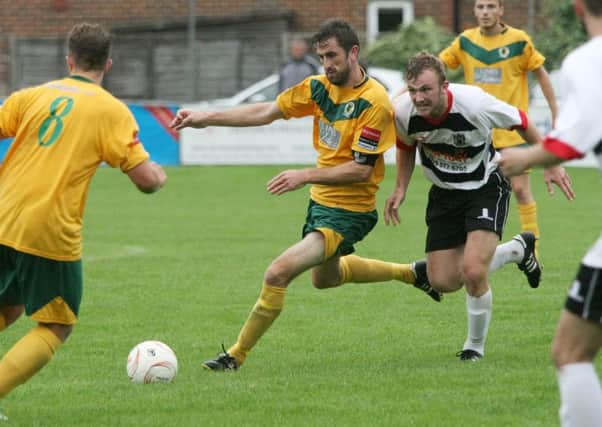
(506,253)
(479,316)
(580,396)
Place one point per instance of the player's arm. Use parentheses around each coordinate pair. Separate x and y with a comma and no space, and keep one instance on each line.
(548,91)
(257,114)
(148,176)
(405,161)
(352,172)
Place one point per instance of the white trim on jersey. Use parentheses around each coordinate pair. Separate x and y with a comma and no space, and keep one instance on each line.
(456,151)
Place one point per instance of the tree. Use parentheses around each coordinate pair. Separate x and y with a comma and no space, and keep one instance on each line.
(564,32)
(394,50)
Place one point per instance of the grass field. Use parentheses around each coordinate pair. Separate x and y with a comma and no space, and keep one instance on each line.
(185,266)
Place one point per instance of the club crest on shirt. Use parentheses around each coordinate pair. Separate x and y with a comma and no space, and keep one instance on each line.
(348,109)
(503,52)
(369,138)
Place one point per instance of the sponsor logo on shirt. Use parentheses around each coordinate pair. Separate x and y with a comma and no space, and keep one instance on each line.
(369,139)
(487,75)
(329,135)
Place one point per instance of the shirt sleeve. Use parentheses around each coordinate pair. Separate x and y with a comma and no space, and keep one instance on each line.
(499,114)
(375,132)
(449,54)
(10,115)
(296,101)
(402,112)
(534,58)
(120,144)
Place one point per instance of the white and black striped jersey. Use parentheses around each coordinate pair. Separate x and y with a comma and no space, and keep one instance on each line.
(579,123)
(456,150)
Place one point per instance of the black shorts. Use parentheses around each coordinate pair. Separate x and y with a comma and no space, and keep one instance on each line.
(585,295)
(451,214)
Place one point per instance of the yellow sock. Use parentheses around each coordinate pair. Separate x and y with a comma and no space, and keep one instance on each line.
(266,310)
(528,219)
(362,270)
(30,354)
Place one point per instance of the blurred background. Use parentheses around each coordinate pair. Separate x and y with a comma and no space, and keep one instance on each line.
(172,52)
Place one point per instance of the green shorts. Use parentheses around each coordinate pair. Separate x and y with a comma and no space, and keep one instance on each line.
(34,281)
(353,226)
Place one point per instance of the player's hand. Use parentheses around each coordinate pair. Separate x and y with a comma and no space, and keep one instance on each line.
(557,175)
(188,118)
(513,162)
(289,180)
(392,207)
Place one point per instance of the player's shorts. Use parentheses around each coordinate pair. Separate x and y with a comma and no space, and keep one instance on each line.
(452,214)
(352,226)
(503,138)
(585,295)
(50,290)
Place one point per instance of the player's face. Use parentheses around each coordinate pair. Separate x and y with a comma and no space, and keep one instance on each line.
(335,61)
(428,95)
(488,13)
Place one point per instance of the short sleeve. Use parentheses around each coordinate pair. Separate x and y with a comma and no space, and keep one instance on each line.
(448,55)
(534,58)
(10,115)
(375,132)
(296,101)
(121,146)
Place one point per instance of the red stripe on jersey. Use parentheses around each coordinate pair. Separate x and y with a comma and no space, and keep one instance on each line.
(403,146)
(372,134)
(561,149)
(524,121)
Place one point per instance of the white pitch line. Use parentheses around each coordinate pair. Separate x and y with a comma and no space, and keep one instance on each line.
(122,252)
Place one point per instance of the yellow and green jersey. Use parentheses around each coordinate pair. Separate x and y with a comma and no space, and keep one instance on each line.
(499,64)
(62,131)
(346,121)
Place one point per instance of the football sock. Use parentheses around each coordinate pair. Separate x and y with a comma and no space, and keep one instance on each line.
(528,218)
(479,316)
(362,270)
(580,396)
(266,310)
(506,253)
(30,354)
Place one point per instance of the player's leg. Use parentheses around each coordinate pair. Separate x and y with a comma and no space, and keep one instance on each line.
(292,262)
(577,341)
(341,229)
(51,293)
(479,249)
(527,207)
(9,314)
(485,216)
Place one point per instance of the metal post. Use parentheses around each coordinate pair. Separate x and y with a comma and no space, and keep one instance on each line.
(531,17)
(193,65)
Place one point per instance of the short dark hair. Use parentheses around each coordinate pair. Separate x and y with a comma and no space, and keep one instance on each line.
(339,29)
(423,61)
(89,45)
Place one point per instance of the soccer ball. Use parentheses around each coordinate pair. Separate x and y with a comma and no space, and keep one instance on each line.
(152,362)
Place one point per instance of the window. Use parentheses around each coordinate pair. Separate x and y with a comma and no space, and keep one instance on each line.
(385,16)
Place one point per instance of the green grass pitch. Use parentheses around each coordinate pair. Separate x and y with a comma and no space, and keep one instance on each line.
(185,266)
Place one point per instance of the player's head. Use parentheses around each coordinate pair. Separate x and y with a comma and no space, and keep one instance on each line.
(337,45)
(427,84)
(89,46)
(488,13)
(298,49)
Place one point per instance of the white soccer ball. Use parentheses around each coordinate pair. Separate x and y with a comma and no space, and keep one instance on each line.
(152,362)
